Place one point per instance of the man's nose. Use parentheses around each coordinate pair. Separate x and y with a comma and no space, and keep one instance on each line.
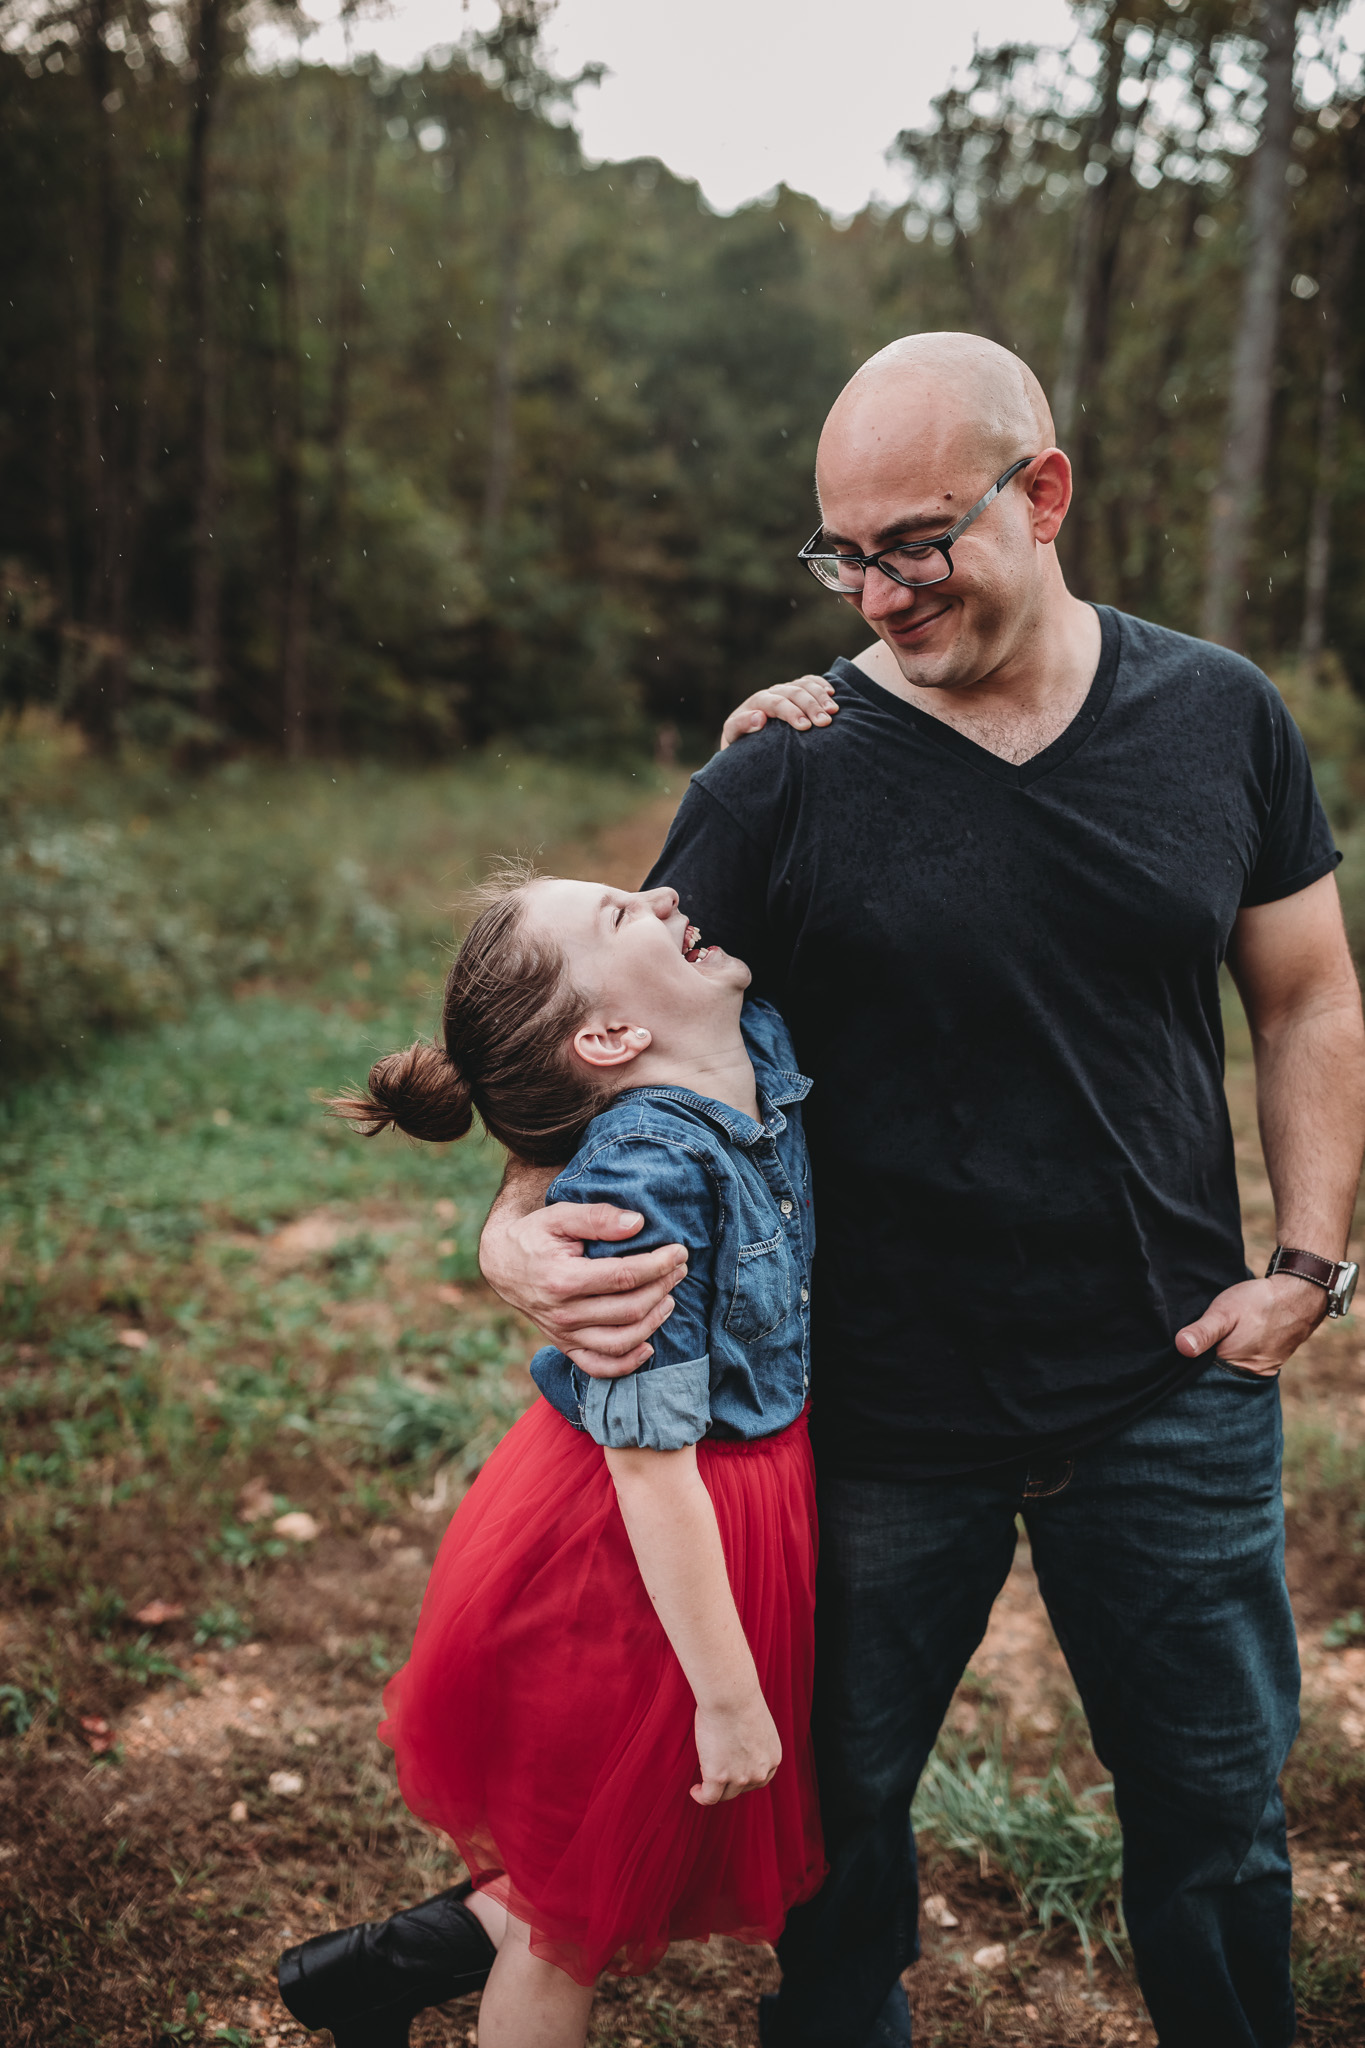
(881,595)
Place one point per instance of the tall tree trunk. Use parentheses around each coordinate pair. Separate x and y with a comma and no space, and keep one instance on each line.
(1087,323)
(350,193)
(498,475)
(1082,309)
(206,400)
(292,588)
(105,689)
(1143,563)
(1331,396)
(1233,505)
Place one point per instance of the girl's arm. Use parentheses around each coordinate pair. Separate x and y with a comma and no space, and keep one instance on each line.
(671,1522)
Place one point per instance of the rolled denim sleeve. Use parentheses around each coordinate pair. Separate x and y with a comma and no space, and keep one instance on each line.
(665,1404)
(663,1410)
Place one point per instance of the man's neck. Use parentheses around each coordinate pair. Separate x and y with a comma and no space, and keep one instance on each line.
(1017,712)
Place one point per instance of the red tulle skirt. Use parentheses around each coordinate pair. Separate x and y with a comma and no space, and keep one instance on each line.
(545,1724)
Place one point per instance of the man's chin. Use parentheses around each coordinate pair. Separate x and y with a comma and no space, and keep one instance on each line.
(939,669)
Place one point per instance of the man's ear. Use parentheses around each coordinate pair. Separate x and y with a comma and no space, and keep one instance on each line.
(611,1045)
(1049,493)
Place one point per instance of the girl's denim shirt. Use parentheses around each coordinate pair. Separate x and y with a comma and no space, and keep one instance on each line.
(733,1359)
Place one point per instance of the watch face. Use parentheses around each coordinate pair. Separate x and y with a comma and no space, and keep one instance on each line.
(1343,1293)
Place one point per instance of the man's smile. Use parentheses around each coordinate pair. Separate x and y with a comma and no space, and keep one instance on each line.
(916,624)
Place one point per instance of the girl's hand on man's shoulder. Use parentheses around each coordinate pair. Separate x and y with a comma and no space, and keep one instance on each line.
(806,702)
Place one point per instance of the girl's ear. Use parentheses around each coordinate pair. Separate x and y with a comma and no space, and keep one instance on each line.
(611,1045)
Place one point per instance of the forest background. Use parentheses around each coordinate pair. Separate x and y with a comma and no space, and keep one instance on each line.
(386,486)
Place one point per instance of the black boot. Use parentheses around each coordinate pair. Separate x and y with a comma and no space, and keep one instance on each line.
(368,1983)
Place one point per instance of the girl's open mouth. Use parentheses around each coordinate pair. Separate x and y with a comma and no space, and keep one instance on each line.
(693,950)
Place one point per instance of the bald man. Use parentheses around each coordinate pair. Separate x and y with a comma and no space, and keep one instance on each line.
(990,871)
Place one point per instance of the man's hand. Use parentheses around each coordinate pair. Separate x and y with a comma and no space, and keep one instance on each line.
(1257,1325)
(808,701)
(602,1312)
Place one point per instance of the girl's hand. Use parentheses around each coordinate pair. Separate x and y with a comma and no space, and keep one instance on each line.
(739,1749)
(808,701)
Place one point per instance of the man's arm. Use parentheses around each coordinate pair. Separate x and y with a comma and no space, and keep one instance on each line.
(1293,969)
(601,1312)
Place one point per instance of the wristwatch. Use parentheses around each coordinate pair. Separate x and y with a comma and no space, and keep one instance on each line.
(1336,1277)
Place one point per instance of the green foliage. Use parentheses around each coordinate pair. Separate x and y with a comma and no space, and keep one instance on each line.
(1329,1986)
(377,282)
(244,1546)
(1060,1850)
(126,897)
(516,443)
(19,1709)
(1347,1628)
(407,1417)
(141,1661)
(221,1626)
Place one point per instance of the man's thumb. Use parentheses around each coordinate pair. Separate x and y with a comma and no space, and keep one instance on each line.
(708,1793)
(1197,1338)
(596,1220)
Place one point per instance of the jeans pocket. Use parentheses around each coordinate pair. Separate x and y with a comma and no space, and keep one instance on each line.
(1240,1372)
(764,1289)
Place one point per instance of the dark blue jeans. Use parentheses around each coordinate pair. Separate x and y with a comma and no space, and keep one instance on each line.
(1160,1556)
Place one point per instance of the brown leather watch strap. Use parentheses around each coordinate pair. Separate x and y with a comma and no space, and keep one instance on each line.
(1303,1266)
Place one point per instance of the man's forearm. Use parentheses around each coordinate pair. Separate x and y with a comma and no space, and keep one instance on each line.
(523,1190)
(1310,1100)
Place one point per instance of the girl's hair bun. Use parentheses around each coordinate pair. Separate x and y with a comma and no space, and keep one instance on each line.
(420,1091)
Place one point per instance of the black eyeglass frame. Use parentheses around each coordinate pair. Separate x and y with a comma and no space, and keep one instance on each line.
(813,555)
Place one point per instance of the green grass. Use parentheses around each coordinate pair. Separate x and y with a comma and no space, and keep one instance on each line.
(1060,1850)
(157,1349)
(127,892)
(213,1120)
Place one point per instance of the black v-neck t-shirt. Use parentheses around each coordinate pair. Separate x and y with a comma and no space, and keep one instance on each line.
(1004,982)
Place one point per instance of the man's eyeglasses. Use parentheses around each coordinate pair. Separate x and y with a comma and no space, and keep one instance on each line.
(913,563)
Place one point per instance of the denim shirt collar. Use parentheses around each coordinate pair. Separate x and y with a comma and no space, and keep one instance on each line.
(778,1087)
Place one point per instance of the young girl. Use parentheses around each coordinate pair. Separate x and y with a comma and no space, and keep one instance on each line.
(607,1701)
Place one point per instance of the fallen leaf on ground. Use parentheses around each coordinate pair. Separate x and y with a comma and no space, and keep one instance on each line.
(298,1526)
(451,1296)
(993,1956)
(98,1733)
(255,1501)
(136,1340)
(237,1811)
(288,1785)
(157,1611)
(936,1910)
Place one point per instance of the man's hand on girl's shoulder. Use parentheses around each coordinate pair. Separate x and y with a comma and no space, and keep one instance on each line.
(806,702)
(600,1312)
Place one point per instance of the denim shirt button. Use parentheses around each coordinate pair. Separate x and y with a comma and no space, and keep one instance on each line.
(805,1294)
(786,1208)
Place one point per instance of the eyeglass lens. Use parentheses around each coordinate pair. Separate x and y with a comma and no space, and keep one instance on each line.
(907,565)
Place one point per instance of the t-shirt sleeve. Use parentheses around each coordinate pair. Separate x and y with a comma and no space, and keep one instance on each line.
(1296,844)
(719,851)
(665,1404)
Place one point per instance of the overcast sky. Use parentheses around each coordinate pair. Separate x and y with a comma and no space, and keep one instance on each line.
(739,94)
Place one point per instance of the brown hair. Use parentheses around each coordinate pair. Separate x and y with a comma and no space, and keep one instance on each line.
(509,1010)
